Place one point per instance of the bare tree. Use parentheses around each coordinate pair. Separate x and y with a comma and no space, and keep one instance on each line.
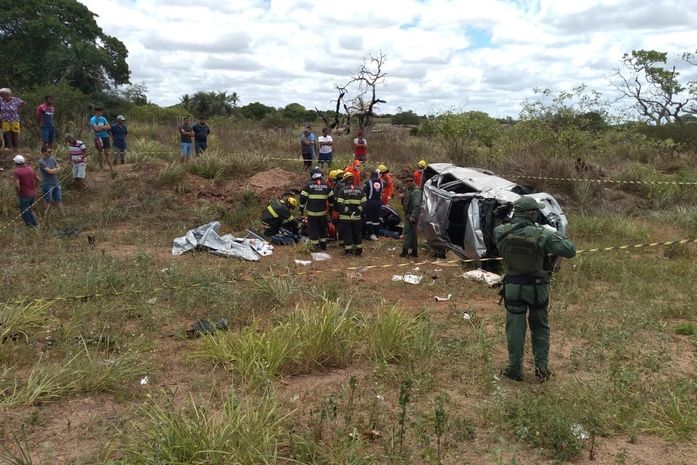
(358,97)
(655,88)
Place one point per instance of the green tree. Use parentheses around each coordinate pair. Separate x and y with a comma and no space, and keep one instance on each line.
(646,78)
(58,42)
(210,104)
(298,113)
(256,111)
(460,133)
(406,118)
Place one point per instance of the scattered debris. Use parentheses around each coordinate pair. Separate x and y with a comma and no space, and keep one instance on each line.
(201,327)
(579,432)
(443,299)
(482,276)
(372,435)
(207,237)
(152,301)
(391,249)
(68,232)
(144,380)
(320,256)
(302,262)
(408,278)
(466,316)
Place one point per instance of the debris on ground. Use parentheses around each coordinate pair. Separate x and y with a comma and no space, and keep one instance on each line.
(144,380)
(466,316)
(443,299)
(68,232)
(408,278)
(207,237)
(320,256)
(482,276)
(204,326)
(303,262)
(579,432)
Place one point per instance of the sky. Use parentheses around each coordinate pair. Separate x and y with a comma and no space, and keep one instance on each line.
(485,55)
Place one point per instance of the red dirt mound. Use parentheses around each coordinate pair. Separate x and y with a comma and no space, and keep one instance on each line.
(274,182)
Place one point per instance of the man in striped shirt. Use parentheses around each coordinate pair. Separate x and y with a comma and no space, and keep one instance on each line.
(78,159)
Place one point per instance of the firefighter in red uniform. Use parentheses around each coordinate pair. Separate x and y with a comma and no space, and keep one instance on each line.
(388,180)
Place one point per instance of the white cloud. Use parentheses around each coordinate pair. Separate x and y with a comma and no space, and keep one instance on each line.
(440,53)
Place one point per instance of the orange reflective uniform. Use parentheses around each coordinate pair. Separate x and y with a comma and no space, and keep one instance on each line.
(418,176)
(355,169)
(388,190)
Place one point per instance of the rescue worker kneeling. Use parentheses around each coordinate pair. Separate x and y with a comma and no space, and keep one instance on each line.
(525,247)
(316,200)
(279,214)
(350,203)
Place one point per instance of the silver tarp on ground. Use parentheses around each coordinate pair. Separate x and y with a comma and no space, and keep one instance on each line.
(206,237)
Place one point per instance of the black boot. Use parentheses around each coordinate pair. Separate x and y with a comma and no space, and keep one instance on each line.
(323,245)
(405,253)
(358,252)
(348,251)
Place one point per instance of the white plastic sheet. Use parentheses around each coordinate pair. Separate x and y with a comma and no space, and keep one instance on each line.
(482,276)
(408,278)
(207,237)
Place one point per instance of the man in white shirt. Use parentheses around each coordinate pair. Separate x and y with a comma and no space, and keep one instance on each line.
(326,148)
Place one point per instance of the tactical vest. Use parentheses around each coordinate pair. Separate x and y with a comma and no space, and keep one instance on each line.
(522,253)
(350,203)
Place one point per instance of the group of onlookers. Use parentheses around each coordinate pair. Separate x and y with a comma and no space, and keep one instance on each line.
(193,137)
(321,149)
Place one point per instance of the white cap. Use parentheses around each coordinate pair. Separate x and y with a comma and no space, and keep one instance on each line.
(5,90)
(120,118)
(19,160)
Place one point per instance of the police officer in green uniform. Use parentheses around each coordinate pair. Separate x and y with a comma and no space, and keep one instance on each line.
(526,248)
(412,206)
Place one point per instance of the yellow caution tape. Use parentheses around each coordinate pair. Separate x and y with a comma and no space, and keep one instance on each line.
(608,181)
(435,263)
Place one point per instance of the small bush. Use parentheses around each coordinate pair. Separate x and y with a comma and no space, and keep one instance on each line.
(392,336)
(686,329)
(210,165)
(171,175)
(242,432)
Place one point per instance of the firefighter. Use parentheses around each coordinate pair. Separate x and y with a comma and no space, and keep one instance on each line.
(279,213)
(355,169)
(419,173)
(350,203)
(524,246)
(316,201)
(373,188)
(412,207)
(388,180)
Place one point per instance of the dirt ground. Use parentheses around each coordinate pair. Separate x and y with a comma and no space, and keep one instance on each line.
(76,430)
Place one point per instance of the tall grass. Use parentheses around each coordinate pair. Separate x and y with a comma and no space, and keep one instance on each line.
(17,320)
(243,431)
(319,338)
(83,372)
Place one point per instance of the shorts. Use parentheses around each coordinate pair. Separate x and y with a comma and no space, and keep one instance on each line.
(11,126)
(79,170)
(308,156)
(48,134)
(185,149)
(102,143)
(52,193)
(326,156)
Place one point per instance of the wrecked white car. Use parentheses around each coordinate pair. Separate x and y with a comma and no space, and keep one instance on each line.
(462,206)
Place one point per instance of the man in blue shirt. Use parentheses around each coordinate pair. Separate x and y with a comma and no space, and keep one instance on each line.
(119,133)
(201,132)
(102,141)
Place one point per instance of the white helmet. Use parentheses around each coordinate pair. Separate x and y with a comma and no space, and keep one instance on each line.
(19,160)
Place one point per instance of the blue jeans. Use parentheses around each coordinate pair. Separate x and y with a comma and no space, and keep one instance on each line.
(185,149)
(48,134)
(25,204)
